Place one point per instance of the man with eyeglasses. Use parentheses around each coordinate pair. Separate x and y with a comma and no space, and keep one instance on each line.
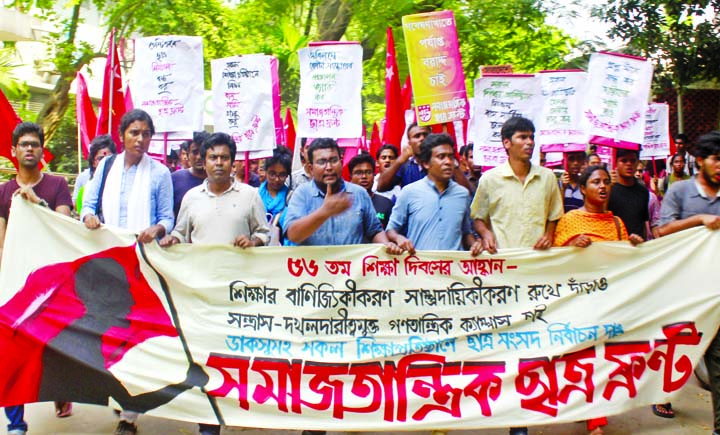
(185,179)
(48,190)
(328,211)
(362,170)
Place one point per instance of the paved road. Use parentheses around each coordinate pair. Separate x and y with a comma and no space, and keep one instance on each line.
(694,417)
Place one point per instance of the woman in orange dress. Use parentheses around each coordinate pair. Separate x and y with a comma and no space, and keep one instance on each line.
(592,223)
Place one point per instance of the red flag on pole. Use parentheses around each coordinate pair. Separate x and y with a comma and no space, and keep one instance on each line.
(406,94)
(289,126)
(112,106)
(128,100)
(376,143)
(394,114)
(350,152)
(85,113)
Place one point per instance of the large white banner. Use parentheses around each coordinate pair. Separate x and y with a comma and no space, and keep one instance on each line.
(497,98)
(616,98)
(657,132)
(348,338)
(331,78)
(243,100)
(168,81)
(560,120)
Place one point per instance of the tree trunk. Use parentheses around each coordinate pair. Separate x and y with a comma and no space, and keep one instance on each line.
(681,122)
(54,109)
(333,19)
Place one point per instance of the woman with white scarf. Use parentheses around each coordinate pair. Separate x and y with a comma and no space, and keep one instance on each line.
(135,192)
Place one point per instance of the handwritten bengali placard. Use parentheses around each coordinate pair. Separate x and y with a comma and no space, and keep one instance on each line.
(436,68)
(330,82)
(657,132)
(244,105)
(348,338)
(616,98)
(560,120)
(168,81)
(497,98)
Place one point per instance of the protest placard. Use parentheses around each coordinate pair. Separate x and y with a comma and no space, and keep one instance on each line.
(168,81)
(436,70)
(244,103)
(559,123)
(657,132)
(348,338)
(331,78)
(615,100)
(497,98)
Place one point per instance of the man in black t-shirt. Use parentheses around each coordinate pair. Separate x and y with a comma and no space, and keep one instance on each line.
(629,199)
(362,171)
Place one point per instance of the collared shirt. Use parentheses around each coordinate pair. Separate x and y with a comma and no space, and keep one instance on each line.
(357,224)
(517,212)
(410,172)
(685,199)
(430,219)
(161,194)
(208,218)
(298,178)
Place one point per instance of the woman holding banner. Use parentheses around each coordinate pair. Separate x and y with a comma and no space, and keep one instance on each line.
(592,223)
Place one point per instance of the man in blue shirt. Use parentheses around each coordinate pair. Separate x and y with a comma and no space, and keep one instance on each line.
(328,211)
(406,169)
(433,214)
(185,179)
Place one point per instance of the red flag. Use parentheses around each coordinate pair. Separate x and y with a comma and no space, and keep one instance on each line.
(406,94)
(85,113)
(376,143)
(112,106)
(394,114)
(350,152)
(289,126)
(8,119)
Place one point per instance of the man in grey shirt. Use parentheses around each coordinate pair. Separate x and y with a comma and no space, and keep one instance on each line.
(691,203)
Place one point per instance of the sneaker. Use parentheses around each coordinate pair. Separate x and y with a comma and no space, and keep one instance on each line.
(17,432)
(125,428)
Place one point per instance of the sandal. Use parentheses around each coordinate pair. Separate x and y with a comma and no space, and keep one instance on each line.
(63,409)
(663,410)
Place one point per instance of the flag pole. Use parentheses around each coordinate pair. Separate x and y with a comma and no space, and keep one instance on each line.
(79,149)
(112,79)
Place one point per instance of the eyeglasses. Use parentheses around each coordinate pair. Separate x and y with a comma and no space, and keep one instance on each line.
(368,173)
(323,162)
(29,144)
(281,176)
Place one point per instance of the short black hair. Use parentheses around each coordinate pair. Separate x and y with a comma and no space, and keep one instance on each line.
(361,158)
(515,124)
(135,115)
(415,124)
(587,157)
(676,155)
(585,176)
(281,155)
(199,137)
(27,128)
(432,141)
(216,139)
(682,136)
(465,150)
(323,143)
(185,145)
(387,146)
(622,152)
(708,145)
(98,144)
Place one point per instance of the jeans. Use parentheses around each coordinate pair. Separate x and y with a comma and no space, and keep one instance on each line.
(16,415)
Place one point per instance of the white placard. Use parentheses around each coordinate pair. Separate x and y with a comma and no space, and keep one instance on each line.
(498,98)
(657,132)
(242,89)
(168,81)
(615,100)
(331,78)
(560,120)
